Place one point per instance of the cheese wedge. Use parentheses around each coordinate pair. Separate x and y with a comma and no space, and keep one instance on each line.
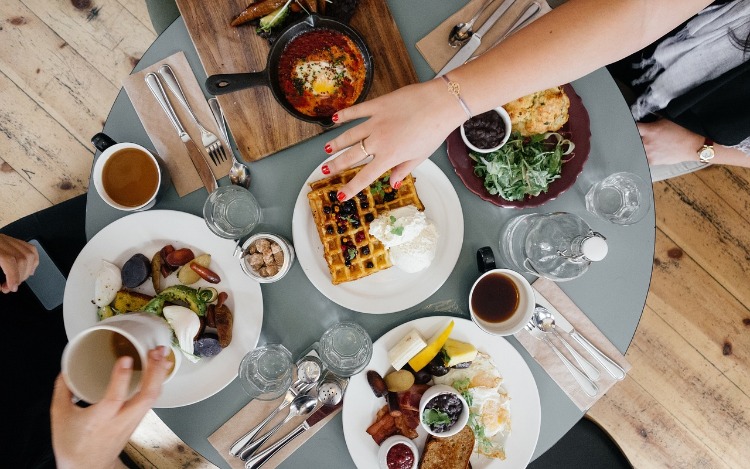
(456,352)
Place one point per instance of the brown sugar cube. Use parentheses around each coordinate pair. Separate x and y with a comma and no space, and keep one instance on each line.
(256,261)
(275,247)
(272,270)
(263,245)
(252,249)
(279,258)
(268,258)
(263,272)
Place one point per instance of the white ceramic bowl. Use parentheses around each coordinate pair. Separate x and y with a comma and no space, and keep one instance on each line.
(435,391)
(390,443)
(286,248)
(523,312)
(506,121)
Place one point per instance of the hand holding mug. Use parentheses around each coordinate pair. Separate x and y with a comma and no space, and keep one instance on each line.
(94,436)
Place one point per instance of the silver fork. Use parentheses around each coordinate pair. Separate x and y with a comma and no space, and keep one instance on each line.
(210,141)
(586,384)
(298,387)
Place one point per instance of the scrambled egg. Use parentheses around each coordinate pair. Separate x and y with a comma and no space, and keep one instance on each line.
(540,112)
(489,404)
(321,78)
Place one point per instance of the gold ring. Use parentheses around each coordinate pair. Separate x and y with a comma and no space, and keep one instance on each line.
(364,150)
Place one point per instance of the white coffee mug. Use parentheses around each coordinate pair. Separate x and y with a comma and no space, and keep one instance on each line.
(141,198)
(89,357)
(516,318)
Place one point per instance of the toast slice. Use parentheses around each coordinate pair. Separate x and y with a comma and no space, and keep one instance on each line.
(452,452)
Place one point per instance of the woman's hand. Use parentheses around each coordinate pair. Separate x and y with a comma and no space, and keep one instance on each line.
(18,260)
(669,143)
(94,436)
(403,129)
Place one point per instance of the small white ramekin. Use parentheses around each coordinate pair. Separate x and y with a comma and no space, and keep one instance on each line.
(506,121)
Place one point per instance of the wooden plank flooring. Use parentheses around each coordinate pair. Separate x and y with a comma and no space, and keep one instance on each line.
(686,402)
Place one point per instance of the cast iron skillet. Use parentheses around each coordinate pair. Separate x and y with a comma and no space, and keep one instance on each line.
(229,82)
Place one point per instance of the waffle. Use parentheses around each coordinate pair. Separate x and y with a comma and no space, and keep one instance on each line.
(350,252)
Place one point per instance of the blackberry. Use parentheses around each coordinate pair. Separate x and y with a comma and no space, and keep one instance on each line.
(369,217)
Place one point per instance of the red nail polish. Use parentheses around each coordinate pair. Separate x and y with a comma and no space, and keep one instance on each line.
(328,148)
(326,169)
(341,196)
(335,118)
(397,185)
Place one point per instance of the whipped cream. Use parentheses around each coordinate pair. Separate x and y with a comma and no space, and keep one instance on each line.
(411,239)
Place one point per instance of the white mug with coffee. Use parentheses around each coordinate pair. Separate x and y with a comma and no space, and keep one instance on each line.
(89,357)
(501,302)
(126,175)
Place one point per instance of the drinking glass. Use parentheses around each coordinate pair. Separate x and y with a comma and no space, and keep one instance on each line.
(619,198)
(266,372)
(231,212)
(345,348)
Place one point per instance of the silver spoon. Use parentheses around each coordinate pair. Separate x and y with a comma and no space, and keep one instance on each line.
(239,173)
(300,406)
(461,32)
(546,322)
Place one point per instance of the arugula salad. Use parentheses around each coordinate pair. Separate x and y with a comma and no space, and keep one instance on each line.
(524,165)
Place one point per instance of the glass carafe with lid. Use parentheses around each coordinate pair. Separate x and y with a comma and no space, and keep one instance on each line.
(559,246)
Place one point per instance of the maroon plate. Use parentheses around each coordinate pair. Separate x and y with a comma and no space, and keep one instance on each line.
(577,129)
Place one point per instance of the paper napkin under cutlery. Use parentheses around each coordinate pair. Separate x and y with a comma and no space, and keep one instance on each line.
(562,305)
(437,52)
(164,137)
(251,415)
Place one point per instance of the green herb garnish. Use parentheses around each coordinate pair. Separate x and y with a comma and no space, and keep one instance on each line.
(392,219)
(398,230)
(376,188)
(523,166)
(435,417)
(351,253)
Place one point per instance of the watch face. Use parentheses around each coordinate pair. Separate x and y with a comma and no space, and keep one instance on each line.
(706,154)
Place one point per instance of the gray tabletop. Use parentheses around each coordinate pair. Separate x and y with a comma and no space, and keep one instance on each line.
(612,293)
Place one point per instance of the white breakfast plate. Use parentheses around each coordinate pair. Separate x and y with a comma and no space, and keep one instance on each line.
(392,289)
(361,405)
(146,233)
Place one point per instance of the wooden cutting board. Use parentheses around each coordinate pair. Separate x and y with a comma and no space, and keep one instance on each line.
(258,123)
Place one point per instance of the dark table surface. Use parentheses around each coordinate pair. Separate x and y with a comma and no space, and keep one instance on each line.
(612,293)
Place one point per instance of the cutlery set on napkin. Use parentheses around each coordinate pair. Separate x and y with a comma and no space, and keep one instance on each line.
(184,136)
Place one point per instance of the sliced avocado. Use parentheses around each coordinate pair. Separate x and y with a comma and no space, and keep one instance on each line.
(177,294)
(275,18)
(105,312)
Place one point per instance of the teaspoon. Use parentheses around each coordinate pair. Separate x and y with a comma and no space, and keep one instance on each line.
(546,322)
(300,406)
(239,173)
(461,32)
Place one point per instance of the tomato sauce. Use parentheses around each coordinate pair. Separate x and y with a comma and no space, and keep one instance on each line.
(321,71)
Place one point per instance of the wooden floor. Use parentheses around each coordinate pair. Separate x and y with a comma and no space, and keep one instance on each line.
(684,404)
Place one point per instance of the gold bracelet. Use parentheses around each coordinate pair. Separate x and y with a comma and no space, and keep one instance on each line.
(455,89)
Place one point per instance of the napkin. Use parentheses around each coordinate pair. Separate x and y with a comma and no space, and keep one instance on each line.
(437,52)
(163,135)
(541,352)
(252,414)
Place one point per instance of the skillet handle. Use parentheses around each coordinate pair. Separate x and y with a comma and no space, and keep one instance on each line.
(229,82)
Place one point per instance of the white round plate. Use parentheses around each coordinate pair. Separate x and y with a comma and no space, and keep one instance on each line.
(146,233)
(392,289)
(361,405)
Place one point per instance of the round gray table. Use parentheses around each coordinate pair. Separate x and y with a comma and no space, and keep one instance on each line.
(612,293)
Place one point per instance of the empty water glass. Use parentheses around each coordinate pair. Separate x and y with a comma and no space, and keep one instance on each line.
(266,372)
(620,198)
(345,348)
(231,212)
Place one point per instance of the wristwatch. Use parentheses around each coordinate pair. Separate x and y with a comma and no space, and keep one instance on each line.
(706,152)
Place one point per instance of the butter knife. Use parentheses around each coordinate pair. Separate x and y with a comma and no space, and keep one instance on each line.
(200,163)
(260,458)
(475,40)
(561,323)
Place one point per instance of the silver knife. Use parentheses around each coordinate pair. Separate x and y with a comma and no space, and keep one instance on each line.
(259,459)
(201,165)
(523,19)
(607,363)
(475,40)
